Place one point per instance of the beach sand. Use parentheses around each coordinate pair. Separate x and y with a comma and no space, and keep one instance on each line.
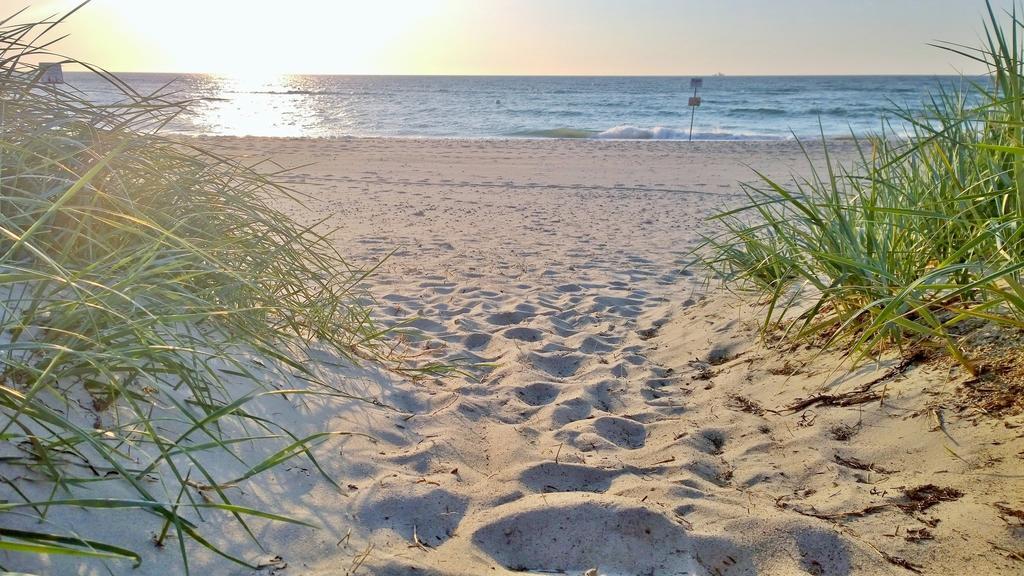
(624,415)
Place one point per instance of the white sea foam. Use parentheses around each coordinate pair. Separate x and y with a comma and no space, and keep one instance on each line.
(627,132)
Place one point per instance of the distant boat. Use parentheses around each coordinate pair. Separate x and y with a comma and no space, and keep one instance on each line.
(719,75)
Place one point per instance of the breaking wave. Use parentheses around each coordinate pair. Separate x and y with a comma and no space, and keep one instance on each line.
(629,132)
(626,132)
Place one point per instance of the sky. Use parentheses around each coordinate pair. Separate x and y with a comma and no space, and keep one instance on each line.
(512,37)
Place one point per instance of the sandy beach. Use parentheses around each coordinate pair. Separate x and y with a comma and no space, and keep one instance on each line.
(619,412)
(625,416)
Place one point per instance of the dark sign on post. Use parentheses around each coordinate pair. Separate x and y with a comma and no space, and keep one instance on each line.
(695,83)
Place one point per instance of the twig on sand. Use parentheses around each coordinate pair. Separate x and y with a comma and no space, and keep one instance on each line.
(921,498)
(1017,555)
(860,395)
(955,455)
(416,542)
(902,562)
(938,422)
(1005,511)
(744,404)
(358,561)
(856,464)
(835,516)
(894,560)
(835,519)
(455,397)
(275,563)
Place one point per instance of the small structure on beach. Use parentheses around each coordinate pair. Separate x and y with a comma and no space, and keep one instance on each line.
(52,73)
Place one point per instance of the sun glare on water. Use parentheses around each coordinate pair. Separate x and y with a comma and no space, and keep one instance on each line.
(253,102)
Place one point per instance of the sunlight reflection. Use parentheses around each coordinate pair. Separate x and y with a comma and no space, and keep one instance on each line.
(264,105)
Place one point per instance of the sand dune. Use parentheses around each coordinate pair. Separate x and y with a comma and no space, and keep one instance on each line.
(624,416)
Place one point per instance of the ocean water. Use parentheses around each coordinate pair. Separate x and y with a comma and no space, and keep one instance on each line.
(734,108)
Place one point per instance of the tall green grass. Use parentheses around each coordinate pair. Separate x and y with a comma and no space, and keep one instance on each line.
(918,239)
(151,293)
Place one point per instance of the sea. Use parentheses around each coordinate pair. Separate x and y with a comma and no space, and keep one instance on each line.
(731,108)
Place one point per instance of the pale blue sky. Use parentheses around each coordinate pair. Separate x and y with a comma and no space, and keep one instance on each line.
(522,36)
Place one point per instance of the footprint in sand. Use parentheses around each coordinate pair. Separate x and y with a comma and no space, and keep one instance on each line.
(571,410)
(722,353)
(432,515)
(523,333)
(596,345)
(604,433)
(621,432)
(711,441)
(426,325)
(561,477)
(573,532)
(606,396)
(508,318)
(538,394)
(558,365)
(476,341)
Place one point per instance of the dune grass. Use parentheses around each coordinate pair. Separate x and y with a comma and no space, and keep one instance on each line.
(150,295)
(917,240)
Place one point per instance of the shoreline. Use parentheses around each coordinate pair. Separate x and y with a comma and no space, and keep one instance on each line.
(513,138)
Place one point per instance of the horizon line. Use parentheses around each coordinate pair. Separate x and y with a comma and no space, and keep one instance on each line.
(713,75)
